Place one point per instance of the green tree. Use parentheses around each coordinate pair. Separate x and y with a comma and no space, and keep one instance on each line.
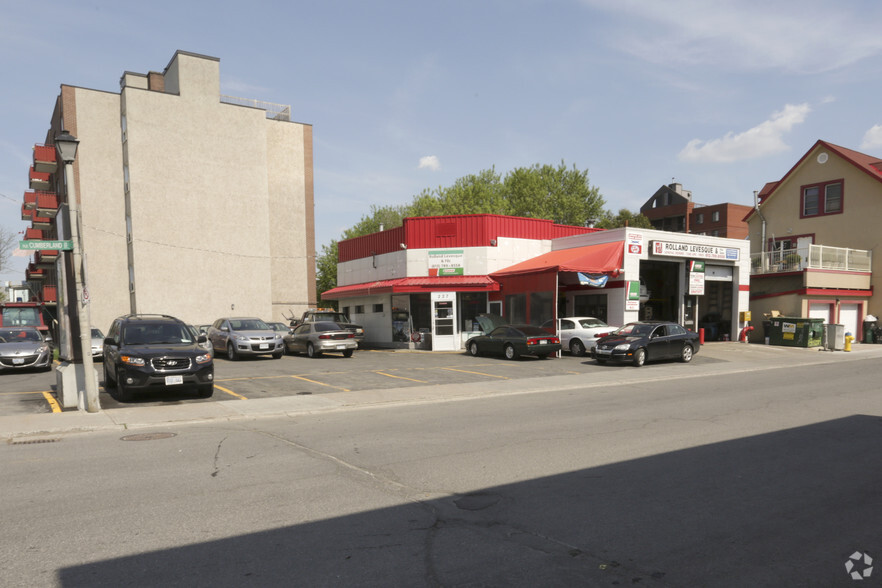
(624,218)
(557,193)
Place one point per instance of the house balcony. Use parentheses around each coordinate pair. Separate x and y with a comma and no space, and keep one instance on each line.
(47,204)
(38,180)
(34,272)
(50,294)
(44,159)
(818,266)
(32,234)
(46,258)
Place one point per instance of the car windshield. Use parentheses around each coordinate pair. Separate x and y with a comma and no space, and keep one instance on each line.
(249,325)
(327,326)
(330,316)
(635,330)
(157,334)
(592,322)
(18,335)
(97,334)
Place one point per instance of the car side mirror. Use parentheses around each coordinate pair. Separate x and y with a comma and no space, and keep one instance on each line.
(201,338)
(109,341)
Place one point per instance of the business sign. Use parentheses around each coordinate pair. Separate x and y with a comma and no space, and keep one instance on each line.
(696,266)
(32,245)
(446,262)
(696,283)
(634,243)
(695,250)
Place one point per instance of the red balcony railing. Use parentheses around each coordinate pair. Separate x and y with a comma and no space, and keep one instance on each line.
(46,257)
(34,272)
(50,294)
(26,213)
(47,204)
(38,180)
(30,200)
(33,234)
(39,222)
(44,158)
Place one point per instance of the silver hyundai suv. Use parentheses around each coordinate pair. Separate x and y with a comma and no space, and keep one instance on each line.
(245,336)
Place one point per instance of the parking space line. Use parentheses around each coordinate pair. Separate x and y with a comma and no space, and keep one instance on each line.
(320,383)
(401,377)
(53,404)
(478,373)
(230,392)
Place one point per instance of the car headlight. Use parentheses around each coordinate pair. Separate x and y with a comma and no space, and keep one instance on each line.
(278,336)
(240,337)
(204,358)
(131,360)
(623,347)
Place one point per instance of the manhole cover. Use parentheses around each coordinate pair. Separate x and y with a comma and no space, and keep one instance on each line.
(148,436)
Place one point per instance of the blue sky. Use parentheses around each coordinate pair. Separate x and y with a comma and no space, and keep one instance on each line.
(403,96)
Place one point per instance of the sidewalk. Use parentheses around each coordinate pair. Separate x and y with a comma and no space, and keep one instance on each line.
(727,358)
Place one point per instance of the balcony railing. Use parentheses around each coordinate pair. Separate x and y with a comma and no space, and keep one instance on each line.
(811,257)
(44,158)
(273,111)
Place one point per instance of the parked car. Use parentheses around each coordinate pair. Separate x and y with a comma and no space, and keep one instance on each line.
(315,315)
(245,336)
(513,341)
(643,341)
(197,331)
(24,347)
(317,338)
(97,344)
(279,327)
(578,334)
(144,352)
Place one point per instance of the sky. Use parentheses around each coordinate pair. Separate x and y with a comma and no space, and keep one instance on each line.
(405,96)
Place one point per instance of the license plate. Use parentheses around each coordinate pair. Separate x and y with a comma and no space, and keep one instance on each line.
(17,360)
(264,345)
(341,347)
(543,341)
(603,351)
(172,380)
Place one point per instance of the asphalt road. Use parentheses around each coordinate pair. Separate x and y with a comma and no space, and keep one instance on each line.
(767,477)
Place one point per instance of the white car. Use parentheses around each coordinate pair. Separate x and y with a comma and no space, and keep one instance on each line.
(578,334)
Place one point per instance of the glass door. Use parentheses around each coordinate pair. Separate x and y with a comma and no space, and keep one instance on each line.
(444,335)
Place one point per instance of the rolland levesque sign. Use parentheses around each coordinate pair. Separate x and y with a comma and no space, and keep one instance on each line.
(695,250)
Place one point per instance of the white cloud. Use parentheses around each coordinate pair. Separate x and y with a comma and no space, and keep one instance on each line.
(761,140)
(804,36)
(430,162)
(872,138)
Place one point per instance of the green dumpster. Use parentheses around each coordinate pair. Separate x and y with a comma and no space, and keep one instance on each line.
(796,331)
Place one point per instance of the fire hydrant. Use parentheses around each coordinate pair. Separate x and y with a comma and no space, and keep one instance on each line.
(743,336)
(848,339)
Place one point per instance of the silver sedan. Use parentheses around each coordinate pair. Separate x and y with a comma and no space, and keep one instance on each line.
(240,337)
(317,338)
(24,347)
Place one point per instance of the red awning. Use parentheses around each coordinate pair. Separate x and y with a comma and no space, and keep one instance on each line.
(415,285)
(604,258)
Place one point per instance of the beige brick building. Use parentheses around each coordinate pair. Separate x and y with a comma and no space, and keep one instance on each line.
(193,204)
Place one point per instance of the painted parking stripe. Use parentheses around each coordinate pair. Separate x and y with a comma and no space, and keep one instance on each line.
(230,392)
(320,383)
(477,373)
(52,402)
(401,377)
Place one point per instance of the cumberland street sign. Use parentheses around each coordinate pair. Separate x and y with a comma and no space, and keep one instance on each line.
(57,245)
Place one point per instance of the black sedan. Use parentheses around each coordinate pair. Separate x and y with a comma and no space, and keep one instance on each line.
(644,341)
(513,341)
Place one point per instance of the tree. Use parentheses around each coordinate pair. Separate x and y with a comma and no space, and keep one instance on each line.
(561,194)
(8,243)
(624,218)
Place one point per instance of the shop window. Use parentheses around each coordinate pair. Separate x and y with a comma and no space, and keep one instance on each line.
(590,305)
(541,304)
(378,307)
(516,308)
(470,305)
(821,199)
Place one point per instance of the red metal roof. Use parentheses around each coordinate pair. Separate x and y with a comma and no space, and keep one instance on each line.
(603,258)
(415,285)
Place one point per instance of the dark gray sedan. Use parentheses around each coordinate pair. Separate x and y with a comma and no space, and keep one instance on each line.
(314,339)
(24,347)
(644,341)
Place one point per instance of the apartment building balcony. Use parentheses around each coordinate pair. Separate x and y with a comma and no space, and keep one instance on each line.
(50,294)
(44,159)
(32,234)
(34,272)
(38,180)
(46,257)
(30,201)
(816,266)
(37,221)
(47,204)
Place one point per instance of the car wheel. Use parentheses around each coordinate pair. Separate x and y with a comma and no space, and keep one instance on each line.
(206,391)
(686,353)
(278,354)
(639,357)
(577,348)
(311,352)
(511,352)
(123,390)
(109,383)
(348,352)
(473,349)
(231,352)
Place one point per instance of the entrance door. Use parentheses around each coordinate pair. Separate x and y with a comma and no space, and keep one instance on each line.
(444,335)
(849,314)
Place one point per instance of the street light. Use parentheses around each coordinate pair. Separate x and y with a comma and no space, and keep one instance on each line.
(66,146)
